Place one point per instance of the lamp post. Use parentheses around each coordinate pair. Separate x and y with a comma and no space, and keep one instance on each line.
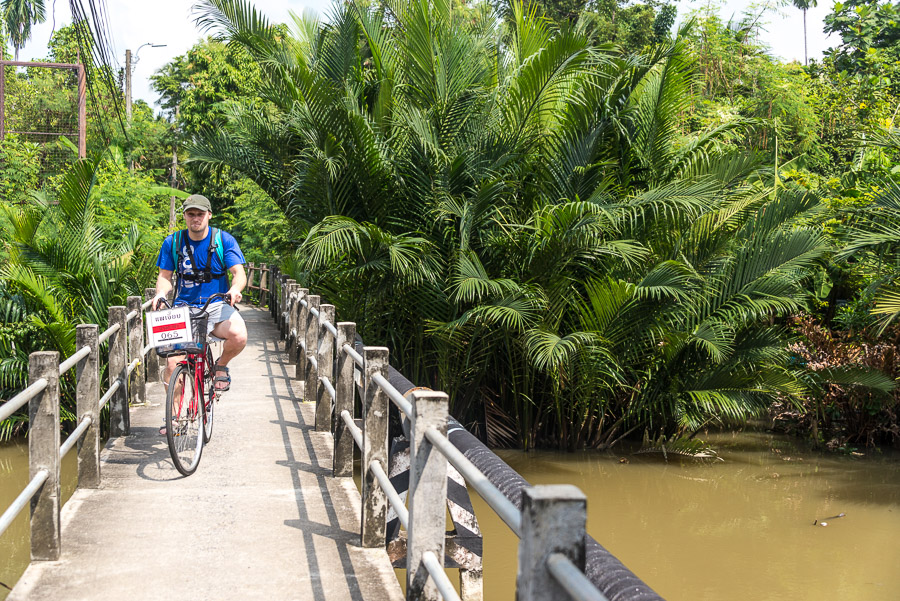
(129,66)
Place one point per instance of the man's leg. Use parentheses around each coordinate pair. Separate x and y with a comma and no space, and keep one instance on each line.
(234,332)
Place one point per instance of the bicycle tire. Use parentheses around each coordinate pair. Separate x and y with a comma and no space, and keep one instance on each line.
(184,419)
(209,395)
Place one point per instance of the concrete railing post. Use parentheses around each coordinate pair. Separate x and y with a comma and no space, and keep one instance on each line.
(325,360)
(375,447)
(263,282)
(302,317)
(251,267)
(285,307)
(119,417)
(151,361)
(87,398)
(293,330)
(428,493)
(43,454)
(345,391)
(311,378)
(553,521)
(136,383)
(273,302)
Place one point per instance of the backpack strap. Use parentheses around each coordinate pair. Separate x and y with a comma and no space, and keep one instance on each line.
(215,243)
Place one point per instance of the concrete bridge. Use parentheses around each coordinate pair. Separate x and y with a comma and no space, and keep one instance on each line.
(272,511)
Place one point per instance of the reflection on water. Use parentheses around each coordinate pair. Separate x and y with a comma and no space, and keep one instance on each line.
(736,530)
(14,543)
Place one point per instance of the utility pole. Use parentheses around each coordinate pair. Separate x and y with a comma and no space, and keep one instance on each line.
(128,86)
(174,177)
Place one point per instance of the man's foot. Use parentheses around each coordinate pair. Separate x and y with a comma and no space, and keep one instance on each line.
(222,383)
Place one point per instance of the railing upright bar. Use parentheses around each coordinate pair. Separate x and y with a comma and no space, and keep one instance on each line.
(325,369)
(87,395)
(43,454)
(151,372)
(273,302)
(375,447)
(137,389)
(251,267)
(553,521)
(119,417)
(311,377)
(428,493)
(300,351)
(343,401)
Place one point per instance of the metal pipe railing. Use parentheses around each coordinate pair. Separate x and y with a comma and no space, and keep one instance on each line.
(572,579)
(74,359)
(490,493)
(441,582)
(18,401)
(22,500)
(73,438)
(321,343)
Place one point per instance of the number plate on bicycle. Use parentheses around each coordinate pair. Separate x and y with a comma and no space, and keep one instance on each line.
(170,326)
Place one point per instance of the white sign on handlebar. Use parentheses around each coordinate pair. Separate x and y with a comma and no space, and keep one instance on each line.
(169,327)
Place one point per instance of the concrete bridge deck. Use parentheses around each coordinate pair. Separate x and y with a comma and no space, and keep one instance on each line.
(262,518)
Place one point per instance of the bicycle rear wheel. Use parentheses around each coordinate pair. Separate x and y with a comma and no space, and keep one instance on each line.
(184,420)
(209,393)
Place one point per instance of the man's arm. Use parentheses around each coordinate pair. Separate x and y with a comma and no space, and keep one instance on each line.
(163,286)
(238,282)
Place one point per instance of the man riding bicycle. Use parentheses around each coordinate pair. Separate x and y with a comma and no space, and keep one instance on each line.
(203,257)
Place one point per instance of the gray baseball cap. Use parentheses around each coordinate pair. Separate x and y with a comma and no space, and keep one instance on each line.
(196,201)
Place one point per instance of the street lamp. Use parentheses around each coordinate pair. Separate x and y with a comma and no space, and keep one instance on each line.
(129,66)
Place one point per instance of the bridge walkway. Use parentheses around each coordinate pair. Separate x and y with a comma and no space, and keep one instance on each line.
(262,518)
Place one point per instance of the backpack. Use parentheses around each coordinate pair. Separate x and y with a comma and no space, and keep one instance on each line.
(207,274)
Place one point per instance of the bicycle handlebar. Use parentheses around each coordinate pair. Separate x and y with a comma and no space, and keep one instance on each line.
(223,295)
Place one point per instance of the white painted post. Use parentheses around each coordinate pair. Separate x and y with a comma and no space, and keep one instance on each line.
(43,454)
(311,378)
(553,521)
(375,448)
(119,416)
(427,493)
(345,394)
(325,359)
(87,398)
(136,384)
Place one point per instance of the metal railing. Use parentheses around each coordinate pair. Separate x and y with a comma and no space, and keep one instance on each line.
(125,357)
(550,523)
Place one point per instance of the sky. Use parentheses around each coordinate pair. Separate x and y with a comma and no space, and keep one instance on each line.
(170,22)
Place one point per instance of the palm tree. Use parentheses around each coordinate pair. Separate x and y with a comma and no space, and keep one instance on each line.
(59,272)
(804,5)
(520,215)
(19,16)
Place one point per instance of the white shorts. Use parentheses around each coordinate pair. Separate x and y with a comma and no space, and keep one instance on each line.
(219,312)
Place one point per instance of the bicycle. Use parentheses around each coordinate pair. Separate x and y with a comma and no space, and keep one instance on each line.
(191,395)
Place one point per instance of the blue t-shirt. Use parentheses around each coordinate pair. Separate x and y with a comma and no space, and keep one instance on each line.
(195,293)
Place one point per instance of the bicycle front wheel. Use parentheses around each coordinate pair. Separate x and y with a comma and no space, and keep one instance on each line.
(184,420)
(209,394)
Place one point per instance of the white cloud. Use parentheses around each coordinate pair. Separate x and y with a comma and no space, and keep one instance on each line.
(169,22)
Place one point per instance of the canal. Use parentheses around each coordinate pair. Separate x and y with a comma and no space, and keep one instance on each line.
(740,529)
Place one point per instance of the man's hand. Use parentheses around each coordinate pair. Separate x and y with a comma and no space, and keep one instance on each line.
(157,302)
(236,296)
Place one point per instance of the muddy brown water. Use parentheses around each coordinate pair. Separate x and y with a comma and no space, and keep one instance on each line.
(738,529)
